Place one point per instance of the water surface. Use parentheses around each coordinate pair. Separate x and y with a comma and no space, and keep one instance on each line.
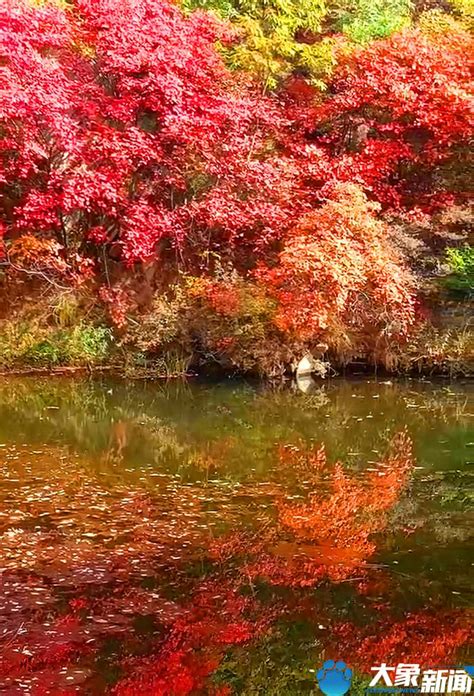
(226,538)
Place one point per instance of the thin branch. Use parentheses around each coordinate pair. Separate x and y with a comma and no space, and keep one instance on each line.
(37,274)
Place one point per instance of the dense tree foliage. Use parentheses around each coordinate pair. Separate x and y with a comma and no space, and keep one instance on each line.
(216,141)
(142,142)
(401,110)
(336,275)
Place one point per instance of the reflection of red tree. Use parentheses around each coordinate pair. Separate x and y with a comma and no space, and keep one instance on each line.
(216,617)
(330,535)
(186,648)
(428,638)
(99,568)
(178,673)
(37,644)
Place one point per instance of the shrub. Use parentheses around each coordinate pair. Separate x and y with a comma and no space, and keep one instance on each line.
(226,320)
(461,265)
(26,343)
(86,344)
(438,351)
(338,279)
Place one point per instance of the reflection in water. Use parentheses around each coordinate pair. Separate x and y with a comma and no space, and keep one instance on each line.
(330,534)
(225,539)
(118,441)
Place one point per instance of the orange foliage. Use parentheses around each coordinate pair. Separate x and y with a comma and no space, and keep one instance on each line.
(223,299)
(330,535)
(29,252)
(352,512)
(337,267)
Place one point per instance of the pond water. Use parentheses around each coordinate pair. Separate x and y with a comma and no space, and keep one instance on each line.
(227,538)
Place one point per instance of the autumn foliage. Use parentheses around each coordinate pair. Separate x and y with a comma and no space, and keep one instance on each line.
(337,275)
(144,143)
(142,140)
(401,109)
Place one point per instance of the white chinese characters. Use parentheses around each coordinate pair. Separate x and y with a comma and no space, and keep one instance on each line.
(429,681)
(445,681)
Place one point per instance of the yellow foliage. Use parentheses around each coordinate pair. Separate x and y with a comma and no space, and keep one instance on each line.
(56,3)
(465,9)
(281,36)
(435,22)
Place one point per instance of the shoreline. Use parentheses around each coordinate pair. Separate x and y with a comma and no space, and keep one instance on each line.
(152,375)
